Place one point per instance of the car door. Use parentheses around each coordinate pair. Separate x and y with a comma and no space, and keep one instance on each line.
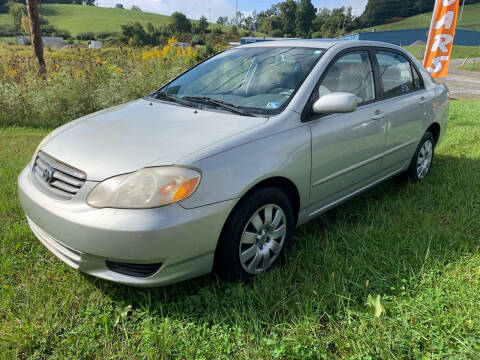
(346,148)
(404,106)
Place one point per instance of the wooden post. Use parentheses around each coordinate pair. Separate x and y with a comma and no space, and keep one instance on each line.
(36,36)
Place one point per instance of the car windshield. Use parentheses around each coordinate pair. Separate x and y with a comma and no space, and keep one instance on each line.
(259,80)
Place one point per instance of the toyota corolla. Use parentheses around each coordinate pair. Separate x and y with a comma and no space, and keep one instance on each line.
(214,170)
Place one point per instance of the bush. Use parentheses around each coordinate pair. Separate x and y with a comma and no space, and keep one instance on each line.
(197,40)
(52,30)
(317,35)
(7,30)
(209,48)
(103,35)
(88,35)
(276,33)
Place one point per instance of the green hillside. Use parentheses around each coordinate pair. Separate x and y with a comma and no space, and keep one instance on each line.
(81,18)
(470,21)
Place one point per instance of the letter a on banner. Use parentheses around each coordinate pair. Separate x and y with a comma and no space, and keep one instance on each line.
(440,37)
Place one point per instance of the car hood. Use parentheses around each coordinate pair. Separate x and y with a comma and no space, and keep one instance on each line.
(142,133)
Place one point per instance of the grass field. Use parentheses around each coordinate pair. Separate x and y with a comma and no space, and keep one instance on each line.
(414,245)
(472,67)
(470,21)
(80,18)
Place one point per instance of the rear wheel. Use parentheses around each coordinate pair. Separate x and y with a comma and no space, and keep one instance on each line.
(255,235)
(422,160)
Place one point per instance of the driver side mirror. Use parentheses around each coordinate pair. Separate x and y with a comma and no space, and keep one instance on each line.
(337,102)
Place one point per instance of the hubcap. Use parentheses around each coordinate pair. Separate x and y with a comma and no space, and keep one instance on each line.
(424,159)
(262,239)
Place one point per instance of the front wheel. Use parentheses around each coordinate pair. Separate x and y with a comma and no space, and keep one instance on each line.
(255,235)
(422,160)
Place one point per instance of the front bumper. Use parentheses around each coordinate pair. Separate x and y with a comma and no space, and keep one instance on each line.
(182,240)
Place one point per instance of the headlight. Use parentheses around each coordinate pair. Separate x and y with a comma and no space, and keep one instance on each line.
(43,142)
(146,188)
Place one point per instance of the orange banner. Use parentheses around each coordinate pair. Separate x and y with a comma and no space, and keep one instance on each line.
(440,37)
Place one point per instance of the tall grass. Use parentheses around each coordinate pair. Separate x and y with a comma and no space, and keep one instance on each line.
(81,81)
(414,245)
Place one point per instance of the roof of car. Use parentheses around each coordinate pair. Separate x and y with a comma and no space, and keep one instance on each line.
(316,43)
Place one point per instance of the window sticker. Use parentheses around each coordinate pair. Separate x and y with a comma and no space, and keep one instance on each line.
(273,105)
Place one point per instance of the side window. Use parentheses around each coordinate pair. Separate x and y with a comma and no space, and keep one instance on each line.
(351,73)
(417,81)
(396,73)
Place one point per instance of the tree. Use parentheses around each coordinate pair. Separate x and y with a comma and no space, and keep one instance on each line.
(17,11)
(137,35)
(119,6)
(269,21)
(288,11)
(381,11)
(222,20)
(150,28)
(304,18)
(3,6)
(90,2)
(36,37)
(135,8)
(202,25)
(179,23)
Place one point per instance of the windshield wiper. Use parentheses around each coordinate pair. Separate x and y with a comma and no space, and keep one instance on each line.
(165,96)
(231,107)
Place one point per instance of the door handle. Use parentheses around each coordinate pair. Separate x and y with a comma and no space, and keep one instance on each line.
(378,116)
(423,101)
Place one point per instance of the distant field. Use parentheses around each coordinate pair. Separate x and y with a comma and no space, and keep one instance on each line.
(470,21)
(80,18)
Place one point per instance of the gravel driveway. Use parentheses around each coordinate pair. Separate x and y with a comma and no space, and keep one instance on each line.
(462,84)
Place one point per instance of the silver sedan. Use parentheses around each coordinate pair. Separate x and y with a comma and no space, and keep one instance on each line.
(215,169)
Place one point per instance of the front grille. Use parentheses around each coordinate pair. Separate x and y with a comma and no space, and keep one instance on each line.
(56,177)
(138,270)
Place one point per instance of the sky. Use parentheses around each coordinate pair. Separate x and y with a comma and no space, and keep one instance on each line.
(215,8)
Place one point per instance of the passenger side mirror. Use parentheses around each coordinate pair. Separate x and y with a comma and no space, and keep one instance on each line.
(337,102)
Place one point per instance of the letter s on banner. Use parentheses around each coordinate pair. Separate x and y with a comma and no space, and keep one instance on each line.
(440,37)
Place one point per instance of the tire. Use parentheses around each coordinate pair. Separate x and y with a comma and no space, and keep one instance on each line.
(422,159)
(250,244)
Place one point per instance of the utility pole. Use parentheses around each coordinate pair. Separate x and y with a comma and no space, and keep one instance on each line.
(36,36)
(236,13)
(461,14)
(210,14)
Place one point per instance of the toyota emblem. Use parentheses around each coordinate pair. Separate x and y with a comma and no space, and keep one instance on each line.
(47,175)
